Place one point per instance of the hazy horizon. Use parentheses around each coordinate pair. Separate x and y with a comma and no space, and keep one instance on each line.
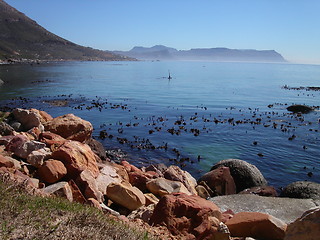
(288,27)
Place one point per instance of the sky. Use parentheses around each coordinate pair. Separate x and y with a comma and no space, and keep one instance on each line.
(291,27)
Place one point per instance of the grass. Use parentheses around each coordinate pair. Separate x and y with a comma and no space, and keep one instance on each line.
(26,216)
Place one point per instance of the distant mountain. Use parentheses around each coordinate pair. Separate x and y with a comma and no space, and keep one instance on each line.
(23,38)
(160,52)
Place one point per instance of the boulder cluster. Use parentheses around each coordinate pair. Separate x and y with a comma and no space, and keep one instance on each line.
(58,156)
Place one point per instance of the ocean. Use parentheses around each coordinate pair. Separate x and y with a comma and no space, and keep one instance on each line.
(207,111)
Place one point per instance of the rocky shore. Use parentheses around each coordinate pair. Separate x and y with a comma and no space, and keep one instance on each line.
(58,156)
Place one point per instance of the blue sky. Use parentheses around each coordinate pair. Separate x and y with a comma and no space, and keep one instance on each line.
(290,27)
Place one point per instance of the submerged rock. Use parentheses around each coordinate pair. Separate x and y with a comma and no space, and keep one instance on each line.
(299,108)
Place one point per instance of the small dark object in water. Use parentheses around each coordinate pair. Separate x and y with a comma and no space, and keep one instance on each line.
(292,137)
(260,154)
(299,108)
(310,174)
(255,143)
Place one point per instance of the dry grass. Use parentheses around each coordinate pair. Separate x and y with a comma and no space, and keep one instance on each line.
(26,216)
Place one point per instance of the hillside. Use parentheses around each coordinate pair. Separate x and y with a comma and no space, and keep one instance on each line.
(23,38)
(160,52)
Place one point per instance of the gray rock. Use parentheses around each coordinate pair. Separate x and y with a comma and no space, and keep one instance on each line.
(25,149)
(299,108)
(302,189)
(286,209)
(5,129)
(60,189)
(245,175)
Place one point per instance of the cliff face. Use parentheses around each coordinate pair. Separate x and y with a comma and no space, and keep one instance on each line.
(23,38)
(208,54)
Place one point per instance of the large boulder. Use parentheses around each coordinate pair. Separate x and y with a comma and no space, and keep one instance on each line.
(302,189)
(220,181)
(70,127)
(27,118)
(97,148)
(126,195)
(175,173)
(88,186)
(190,217)
(305,227)
(52,171)
(267,191)
(77,157)
(162,186)
(257,225)
(26,148)
(245,175)
(286,209)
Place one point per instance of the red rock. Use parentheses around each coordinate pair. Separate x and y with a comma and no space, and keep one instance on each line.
(305,227)
(52,171)
(220,181)
(256,225)
(43,116)
(76,193)
(50,138)
(139,179)
(77,157)
(4,162)
(187,216)
(266,191)
(70,127)
(94,203)
(226,215)
(88,186)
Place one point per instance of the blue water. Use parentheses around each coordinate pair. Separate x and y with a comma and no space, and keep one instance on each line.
(208,109)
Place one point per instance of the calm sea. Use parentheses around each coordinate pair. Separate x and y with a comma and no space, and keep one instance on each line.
(207,112)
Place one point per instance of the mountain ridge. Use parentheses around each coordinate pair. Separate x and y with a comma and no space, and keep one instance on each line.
(160,52)
(22,38)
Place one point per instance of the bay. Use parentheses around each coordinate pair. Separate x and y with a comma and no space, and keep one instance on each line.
(207,112)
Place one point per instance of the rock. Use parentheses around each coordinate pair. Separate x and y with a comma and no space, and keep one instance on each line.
(203,192)
(151,199)
(302,189)
(76,193)
(97,148)
(27,148)
(22,178)
(5,129)
(220,181)
(60,189)
(121,171)
(77,157)
(52,171)
(299,108)
(50,139)
(4,140)
(144,213)
(245,175)
(4,162)
(108,210)
(162,186)
(108,175)
(94,203)
(27,118)
(126,195)
(189,216)
(17,126)
(16,142)
(139,179)
(256,225)
(88,186)
(286,209)
(158,168)
(37,157)
(305,227)
(43,116)
(266,191)
(175,173)
(70,127)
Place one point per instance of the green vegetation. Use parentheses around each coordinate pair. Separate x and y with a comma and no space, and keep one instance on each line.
(26,216)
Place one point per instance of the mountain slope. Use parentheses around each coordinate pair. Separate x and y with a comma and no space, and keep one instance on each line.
(210,54)
(23,38)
